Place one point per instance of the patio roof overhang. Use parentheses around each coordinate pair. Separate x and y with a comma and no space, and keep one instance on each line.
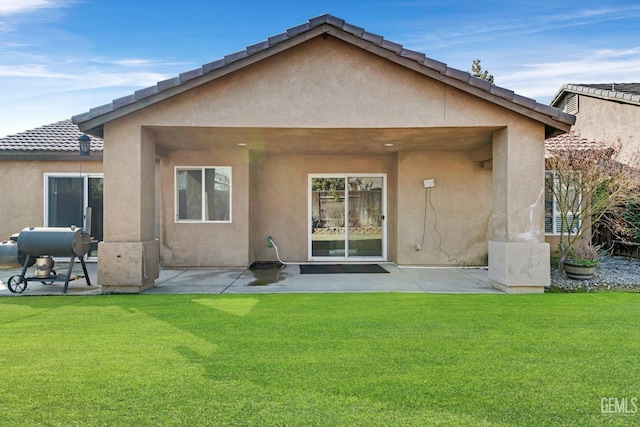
(328,141)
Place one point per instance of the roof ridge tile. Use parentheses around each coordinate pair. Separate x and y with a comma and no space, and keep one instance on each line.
(319,20)
(352,29)
(190,75)
(146,92)
(236,56)
(298,29)
(457,74)
(441,67)
(413,55)
(480,83)
(393,47)
(335,21)
(257,47)
(372,38)
(212,66)
(168,84)
(524,101)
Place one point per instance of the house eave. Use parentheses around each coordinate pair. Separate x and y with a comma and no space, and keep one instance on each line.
(608,95)
(48,156)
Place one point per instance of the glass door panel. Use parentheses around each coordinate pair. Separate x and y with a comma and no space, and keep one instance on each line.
(328,217)
(65,202)
(365,216)
(94,199)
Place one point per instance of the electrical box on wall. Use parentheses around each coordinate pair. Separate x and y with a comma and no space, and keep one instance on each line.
(428,183)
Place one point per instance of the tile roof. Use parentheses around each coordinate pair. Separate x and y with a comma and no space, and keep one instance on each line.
(571,141)
(57,137)
(628,93)
(93,120)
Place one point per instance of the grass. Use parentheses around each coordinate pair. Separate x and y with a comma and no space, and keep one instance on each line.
(319,359)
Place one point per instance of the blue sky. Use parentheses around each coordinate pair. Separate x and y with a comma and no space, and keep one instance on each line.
(62,57)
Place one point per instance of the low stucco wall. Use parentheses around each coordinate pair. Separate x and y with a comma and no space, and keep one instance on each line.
(22,190)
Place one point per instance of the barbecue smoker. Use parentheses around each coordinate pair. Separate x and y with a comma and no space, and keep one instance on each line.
(44,243)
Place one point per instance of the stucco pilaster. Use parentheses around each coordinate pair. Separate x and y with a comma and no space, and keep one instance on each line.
(518,256)
(129,254)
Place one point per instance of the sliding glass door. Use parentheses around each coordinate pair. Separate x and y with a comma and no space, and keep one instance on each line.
(75,200)
(347,217)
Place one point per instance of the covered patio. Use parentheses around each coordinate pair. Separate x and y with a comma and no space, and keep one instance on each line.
(208,169)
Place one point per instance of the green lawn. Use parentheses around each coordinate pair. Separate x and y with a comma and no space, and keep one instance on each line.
(319,359)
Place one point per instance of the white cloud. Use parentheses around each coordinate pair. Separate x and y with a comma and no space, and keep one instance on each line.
(12,7)
(491,29)
(135,62)
(82,80)
(37,89)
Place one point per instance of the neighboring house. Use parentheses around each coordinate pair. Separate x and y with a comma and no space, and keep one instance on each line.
(202,168)
(45,181)
(608,113)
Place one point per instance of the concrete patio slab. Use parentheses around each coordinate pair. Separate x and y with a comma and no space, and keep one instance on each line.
(286,280)
(289,280)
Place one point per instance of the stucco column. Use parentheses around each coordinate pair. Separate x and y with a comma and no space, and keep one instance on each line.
(518,255)
(129,256)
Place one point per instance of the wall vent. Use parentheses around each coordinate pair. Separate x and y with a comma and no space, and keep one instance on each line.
(571,104)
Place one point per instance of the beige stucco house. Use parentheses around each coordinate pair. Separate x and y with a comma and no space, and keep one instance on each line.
(45,182)
(322,137)
(607,113)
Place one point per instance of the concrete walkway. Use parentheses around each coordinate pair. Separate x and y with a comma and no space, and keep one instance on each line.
(286,280)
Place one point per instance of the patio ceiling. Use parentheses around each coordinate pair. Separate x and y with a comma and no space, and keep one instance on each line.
(324,140)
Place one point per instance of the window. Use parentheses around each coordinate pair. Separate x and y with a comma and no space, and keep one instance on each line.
(552,212)
(203,194)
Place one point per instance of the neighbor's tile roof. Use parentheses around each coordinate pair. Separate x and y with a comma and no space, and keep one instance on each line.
(571,141)
(93,120)
(57,137)
(628,93)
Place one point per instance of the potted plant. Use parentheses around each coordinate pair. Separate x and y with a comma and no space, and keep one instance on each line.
(582,259)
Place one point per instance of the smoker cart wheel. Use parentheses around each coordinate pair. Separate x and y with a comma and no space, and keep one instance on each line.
(17,284)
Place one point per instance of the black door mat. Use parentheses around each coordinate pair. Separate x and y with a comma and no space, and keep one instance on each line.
(341,268)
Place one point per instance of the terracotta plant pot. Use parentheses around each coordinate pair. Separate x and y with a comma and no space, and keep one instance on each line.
(579,271)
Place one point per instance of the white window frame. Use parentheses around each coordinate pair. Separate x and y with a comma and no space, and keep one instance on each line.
(202,214)
(346,257)
(555,219)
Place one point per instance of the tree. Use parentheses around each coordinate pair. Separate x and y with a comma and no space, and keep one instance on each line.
(477,71)
(586,186)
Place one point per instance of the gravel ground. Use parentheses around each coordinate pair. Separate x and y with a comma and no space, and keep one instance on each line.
(613,273)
